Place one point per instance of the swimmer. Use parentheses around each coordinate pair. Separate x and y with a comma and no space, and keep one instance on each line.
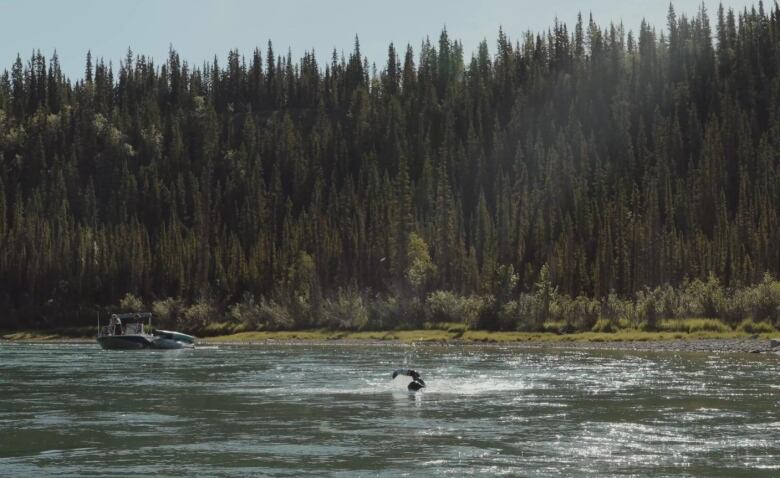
(416,384)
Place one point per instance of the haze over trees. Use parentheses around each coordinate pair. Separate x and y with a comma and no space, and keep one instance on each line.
(585,162)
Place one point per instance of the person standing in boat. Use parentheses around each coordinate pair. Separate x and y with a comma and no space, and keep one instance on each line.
(116,322)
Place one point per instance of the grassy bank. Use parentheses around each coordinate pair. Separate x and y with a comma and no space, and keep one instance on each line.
(475,336)
(692,329)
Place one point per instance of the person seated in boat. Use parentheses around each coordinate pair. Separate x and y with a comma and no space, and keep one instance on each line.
(416,384)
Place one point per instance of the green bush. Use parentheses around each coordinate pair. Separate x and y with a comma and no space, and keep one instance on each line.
(751,327)
(581,313)
(765,299)
(703,299)
(760,302)
(198,315)
(693,325)
(246,312)
(558,311)
(673,326)
(384,313)
(168,312)
(619,312)
(458,329)
(264,315)
(131,303)
(555,327)
(520,314)
(738,306)
(603,325)
(668,302)
(653,305)
(647,309)
(471,306)
(445,306)
(218,328)
(394,312)
(488,317)
(346,311)
(561,315)
(274,316)
(707,325)
(527,312)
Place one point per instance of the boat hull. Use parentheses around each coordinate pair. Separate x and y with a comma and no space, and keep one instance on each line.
(165,343)
(124,342)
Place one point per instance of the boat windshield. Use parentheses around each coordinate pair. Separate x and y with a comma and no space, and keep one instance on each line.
(134,328)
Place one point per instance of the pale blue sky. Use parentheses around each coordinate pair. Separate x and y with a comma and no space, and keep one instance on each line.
(199,29)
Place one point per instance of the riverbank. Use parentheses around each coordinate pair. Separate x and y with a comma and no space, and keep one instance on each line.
(728,342)
(476,336)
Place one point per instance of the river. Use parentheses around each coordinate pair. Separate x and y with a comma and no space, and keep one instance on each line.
(73,410)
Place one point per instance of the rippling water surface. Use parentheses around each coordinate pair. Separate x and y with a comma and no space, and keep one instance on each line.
(76,410)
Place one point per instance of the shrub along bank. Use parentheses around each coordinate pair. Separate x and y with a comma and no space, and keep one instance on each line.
(695,306)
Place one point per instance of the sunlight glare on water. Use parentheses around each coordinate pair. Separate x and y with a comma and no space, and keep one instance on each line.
(75,410)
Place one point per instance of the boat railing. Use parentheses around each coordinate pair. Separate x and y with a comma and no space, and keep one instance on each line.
(133,328)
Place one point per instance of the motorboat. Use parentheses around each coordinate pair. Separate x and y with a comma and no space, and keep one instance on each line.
(134,331)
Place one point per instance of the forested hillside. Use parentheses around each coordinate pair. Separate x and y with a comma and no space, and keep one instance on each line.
(587,160)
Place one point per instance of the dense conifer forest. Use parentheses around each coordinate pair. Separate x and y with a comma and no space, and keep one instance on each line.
(590,174)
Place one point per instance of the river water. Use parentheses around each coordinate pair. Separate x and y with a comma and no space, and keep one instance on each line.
(76,410)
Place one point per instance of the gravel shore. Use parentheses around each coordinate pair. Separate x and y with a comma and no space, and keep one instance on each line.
(741,346)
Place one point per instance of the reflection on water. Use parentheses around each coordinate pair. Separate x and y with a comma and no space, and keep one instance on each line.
(75,410)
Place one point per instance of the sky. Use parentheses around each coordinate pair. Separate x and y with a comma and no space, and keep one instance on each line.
(200,29)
